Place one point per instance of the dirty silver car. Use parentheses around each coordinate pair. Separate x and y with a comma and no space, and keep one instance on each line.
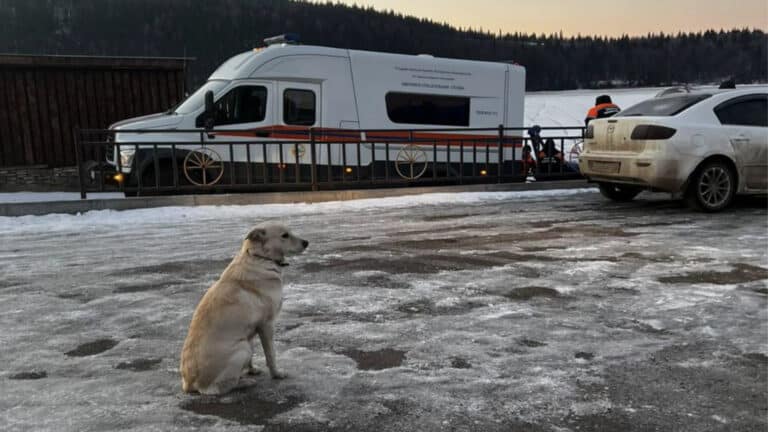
(706,145)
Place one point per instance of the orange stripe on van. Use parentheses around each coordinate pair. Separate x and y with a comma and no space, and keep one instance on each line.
(332,135)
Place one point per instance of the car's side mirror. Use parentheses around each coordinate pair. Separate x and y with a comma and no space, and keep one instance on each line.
(209,116)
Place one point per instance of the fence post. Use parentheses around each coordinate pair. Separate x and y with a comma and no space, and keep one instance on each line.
(79,157)
(313,168)
(500,155)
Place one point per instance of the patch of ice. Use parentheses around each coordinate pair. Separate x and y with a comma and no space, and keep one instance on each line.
(654,324)
(448,302)
(691,363)
(708,331)
(590,408)
(368,273)
(505,310)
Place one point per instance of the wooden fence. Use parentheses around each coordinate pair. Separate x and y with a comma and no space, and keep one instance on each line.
(44,99)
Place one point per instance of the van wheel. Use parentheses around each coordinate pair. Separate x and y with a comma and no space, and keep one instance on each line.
(619,192)
(711,187)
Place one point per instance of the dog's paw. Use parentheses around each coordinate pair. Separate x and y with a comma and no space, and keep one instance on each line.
(278,375)
(252,371)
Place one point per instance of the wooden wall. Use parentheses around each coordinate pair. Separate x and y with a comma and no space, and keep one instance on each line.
(44,99)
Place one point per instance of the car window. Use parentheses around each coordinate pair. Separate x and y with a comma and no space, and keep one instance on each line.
(243,104)
(665,106)
(299,107)
(744,111)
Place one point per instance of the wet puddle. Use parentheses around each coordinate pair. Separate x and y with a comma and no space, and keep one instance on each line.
(79,297)
(140,287)
(244,408)
(584,355)
(530,343)
(444,217)
(92,348)
(758,357)
(527,293)
(741,273)
(191,268)
(460,363)
(376,360)
(424,264)
(33,375)
(428,307)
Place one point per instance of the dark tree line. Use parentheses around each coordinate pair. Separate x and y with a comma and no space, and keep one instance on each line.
(213,30)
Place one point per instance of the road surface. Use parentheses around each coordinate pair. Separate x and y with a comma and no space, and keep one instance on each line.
(549,311)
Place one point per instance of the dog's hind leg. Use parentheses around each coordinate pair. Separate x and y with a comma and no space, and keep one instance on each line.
(231,376)
(267,334)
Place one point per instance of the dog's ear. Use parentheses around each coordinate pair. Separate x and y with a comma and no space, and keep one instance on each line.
(257,235)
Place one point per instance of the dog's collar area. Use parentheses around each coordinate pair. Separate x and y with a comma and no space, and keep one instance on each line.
(278,263)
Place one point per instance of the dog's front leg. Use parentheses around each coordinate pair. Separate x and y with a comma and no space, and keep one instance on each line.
(266,334)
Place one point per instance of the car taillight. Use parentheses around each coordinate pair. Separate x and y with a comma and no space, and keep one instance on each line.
(590,132)
(652,132)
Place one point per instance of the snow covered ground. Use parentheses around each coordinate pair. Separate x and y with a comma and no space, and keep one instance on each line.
(569,108)
(545,311)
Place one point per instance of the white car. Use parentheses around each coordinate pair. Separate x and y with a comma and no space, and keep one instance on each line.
(707,145)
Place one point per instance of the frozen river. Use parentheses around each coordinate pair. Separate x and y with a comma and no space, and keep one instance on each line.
(546,311)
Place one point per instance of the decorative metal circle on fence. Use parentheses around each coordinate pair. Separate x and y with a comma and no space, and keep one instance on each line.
(411,162)
(203,167)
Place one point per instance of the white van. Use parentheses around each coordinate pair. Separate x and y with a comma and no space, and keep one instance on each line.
(280,91)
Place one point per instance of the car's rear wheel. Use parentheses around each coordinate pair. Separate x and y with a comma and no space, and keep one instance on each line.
(619,192)
(711,187)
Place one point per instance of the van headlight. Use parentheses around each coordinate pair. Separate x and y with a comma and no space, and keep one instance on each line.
(126,157)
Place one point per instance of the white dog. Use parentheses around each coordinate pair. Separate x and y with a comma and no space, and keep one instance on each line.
(243,303)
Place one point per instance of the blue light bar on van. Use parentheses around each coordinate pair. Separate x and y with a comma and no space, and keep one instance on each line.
(287,38)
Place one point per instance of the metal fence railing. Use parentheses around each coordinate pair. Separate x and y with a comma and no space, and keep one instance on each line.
(146,162)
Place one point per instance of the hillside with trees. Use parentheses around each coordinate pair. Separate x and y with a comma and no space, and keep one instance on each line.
(212,31)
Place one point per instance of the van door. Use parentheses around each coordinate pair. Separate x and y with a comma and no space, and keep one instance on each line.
(298,109)
(245,106)
(244,112)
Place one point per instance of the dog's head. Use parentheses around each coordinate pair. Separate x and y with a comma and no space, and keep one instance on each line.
(273,241)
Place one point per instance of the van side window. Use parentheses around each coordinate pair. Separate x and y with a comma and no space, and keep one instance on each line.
(243,104)
(414,108)
(748,111)
(299,107)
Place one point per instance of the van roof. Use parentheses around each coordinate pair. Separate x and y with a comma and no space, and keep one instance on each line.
(243,65)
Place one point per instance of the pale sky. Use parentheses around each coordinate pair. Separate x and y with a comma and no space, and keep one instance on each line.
(611,17)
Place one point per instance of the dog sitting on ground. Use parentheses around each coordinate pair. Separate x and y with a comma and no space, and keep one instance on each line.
(242,304)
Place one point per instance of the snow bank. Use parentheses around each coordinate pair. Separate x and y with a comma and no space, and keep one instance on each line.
(166,215)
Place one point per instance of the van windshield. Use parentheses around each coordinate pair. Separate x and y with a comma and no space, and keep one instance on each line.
(197,99)
(665,106)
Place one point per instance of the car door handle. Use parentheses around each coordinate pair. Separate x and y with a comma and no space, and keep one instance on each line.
(739,140)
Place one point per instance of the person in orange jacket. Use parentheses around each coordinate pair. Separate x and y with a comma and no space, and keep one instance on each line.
(604,107)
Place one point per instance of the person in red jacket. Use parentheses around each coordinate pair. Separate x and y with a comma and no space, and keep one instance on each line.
(604,107)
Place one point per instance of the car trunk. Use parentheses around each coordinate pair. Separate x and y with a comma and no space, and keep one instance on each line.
(614,135)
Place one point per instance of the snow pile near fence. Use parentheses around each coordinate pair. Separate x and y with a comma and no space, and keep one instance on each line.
(165,215)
